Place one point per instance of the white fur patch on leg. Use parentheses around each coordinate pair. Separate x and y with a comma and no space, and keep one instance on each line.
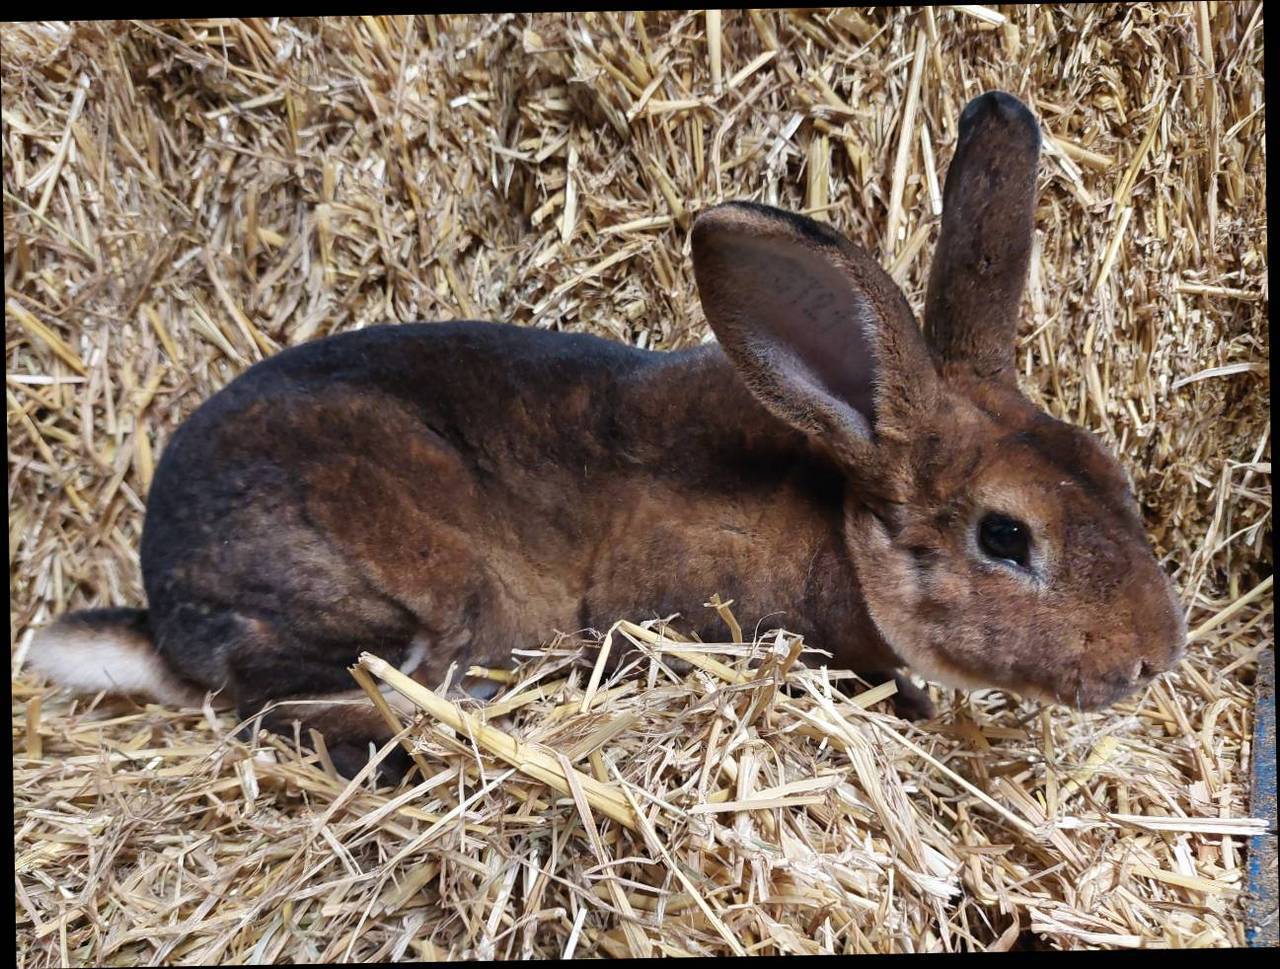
(416,654)
(86,659)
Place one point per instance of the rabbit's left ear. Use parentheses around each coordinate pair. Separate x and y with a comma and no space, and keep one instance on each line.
(817,330)
(988,208)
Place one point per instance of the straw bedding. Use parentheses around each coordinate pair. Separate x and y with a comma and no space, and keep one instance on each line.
(182,199)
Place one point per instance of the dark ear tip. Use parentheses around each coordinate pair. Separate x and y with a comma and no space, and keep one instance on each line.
(1004,109)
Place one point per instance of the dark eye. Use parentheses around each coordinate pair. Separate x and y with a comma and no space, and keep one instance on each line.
(1005,538)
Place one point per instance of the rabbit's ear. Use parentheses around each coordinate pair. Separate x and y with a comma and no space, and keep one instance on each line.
(988,209)
(818,331)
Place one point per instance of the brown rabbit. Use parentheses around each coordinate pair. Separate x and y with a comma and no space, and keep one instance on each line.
(446,492)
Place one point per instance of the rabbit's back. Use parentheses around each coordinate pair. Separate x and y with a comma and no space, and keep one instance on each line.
(460,489)
(388,396)
(450,375)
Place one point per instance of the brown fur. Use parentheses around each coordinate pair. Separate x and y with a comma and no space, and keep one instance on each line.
(442,493)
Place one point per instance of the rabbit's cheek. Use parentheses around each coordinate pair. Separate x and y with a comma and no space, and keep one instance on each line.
(913,607)
(938,663)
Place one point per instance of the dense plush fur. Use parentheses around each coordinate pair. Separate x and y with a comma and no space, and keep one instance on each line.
(442,493)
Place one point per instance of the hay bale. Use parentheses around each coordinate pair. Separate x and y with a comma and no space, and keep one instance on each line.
(182,199)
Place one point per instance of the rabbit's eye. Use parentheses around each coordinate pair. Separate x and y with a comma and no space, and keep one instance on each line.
(1005,538)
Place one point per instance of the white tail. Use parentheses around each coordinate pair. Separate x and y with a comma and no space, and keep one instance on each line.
(107,650)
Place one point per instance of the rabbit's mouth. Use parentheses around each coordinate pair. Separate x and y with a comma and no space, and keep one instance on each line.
(1099,691)
(1085,697)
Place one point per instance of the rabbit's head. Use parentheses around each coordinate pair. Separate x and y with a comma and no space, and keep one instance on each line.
(994,544)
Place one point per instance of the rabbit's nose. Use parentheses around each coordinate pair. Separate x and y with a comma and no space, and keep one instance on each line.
(1146,670)
(1123,680)
(1168,646)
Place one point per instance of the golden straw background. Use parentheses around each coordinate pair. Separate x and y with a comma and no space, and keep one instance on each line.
(183,199)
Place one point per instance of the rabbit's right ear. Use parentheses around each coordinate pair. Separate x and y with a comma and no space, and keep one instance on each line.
(988,213)
(817,330)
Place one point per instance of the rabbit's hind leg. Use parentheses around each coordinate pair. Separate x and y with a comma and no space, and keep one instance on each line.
(278,672)
(353,730)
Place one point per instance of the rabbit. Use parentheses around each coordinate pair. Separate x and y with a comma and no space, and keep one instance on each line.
(441,493)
